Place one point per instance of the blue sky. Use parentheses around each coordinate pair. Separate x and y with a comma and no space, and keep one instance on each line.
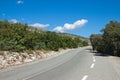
(80,17)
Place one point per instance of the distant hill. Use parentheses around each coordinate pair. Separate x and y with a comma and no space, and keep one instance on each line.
(73,36)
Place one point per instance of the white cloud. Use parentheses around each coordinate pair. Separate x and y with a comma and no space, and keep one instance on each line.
(20,2)
(67,26)
(59,29)
(14,21)
(38,25)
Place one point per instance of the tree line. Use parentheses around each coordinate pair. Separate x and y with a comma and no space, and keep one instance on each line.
(20,37)
(109,41)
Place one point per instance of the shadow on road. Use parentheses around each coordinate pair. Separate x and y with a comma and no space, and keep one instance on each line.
(102,54)
(97,54)
(88,49)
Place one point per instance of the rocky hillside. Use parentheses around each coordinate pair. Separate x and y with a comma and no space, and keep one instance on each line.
(8,59)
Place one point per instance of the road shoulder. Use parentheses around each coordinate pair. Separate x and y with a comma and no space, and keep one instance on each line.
(115,62)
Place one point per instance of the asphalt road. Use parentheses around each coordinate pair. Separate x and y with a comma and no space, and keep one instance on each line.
(77,64)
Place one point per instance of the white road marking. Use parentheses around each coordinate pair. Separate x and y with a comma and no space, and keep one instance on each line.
(92,66)
(94,59)
(85,77)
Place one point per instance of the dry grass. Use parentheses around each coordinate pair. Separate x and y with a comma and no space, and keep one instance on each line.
(29,51)
(1,52)
(44,51)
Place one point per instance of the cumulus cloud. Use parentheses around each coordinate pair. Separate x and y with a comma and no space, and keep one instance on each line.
(59,29)
(38,25)
(67,26)
(20,2)
(14,21)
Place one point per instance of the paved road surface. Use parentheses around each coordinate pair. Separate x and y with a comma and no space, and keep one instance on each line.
(77,64)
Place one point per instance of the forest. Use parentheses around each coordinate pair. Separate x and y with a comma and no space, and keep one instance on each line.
(109,41)
(20,37)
